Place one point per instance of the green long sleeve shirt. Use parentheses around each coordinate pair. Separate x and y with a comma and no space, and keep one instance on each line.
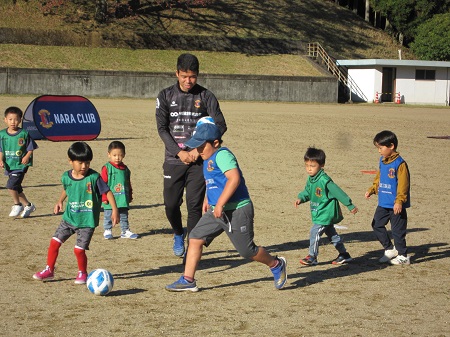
(324,197)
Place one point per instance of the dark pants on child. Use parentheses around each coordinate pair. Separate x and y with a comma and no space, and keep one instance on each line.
(398,228)
(176,179)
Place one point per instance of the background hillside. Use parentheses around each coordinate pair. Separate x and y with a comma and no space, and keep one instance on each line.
(261,37)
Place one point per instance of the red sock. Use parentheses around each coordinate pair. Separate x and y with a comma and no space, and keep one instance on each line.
(53,251)
(80,253)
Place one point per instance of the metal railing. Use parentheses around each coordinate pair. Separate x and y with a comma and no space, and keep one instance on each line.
(316,51)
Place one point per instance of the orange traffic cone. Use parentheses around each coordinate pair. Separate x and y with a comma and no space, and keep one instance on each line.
(398,99)
(376,97)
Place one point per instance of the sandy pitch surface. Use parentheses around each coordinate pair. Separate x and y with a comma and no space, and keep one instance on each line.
(237,298)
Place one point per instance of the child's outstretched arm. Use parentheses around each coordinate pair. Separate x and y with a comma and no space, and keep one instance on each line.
(297,202)
(59,205)
(115,210)
(302,196)
(336,192)
(354,210)
(374,188)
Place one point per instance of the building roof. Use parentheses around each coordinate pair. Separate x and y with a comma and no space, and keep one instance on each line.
(392,63)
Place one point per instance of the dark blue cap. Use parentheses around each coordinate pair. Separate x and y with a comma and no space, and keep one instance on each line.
(203,133)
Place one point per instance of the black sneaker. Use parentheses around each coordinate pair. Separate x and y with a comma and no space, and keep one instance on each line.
(342,258)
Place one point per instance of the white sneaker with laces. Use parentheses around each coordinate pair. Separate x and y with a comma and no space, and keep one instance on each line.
(129,235)
(27,210)
(400,260)
(389,254)
(16,209)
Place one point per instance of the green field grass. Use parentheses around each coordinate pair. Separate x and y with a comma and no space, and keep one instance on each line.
(83,58)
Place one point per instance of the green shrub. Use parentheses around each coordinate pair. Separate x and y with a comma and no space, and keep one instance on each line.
(431,41)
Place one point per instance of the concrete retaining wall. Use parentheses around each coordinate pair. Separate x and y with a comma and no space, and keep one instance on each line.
(19,81)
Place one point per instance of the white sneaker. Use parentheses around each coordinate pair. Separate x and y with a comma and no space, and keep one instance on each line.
(400,260)
(27,210)
(389,254)
(128,235)
(15,210)
(107,234)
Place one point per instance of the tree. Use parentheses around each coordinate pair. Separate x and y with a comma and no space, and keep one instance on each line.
(431,41)
(367,10)
(405,16)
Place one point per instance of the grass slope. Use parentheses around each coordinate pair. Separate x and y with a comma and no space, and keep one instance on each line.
(340,31)
(76,58)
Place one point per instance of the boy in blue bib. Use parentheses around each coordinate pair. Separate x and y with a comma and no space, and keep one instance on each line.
(392,186)
(227,208)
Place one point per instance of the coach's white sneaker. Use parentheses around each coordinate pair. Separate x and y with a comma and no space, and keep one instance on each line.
(389,254)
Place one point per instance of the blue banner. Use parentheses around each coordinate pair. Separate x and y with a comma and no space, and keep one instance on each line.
(63,118)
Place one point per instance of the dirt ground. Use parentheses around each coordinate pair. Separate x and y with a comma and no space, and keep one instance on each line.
(236,297)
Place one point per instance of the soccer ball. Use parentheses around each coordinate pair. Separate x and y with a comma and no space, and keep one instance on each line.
(204,120)
(100,282)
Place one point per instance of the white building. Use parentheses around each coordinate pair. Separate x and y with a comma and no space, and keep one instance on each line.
(415,82)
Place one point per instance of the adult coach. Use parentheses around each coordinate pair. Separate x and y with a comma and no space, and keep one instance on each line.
(178,108)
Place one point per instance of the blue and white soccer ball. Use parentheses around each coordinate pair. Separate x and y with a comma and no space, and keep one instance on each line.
(100,282)
(204,120)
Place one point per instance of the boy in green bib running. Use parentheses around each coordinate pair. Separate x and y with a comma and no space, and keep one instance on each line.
(16,156)
(83,189)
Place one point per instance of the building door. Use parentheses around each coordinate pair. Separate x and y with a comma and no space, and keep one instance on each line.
(388,85)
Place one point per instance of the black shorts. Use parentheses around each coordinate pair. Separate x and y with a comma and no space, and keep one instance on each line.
(15,180)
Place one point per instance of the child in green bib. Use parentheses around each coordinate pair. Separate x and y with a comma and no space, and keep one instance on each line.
(16,156)
(83,188)
(117,175)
